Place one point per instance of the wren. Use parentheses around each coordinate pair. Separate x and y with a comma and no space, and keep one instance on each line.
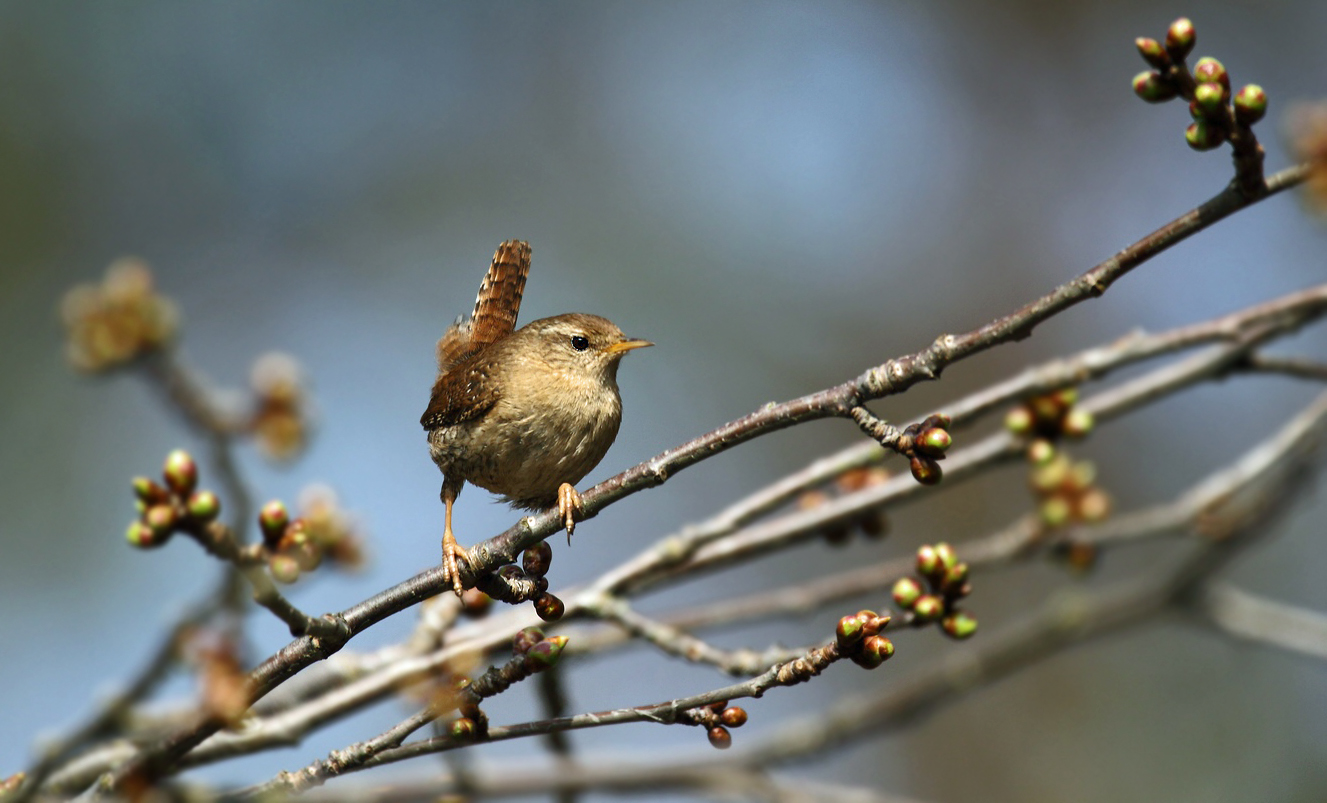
(527,413)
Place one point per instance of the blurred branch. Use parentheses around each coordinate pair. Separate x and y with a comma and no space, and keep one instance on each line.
(1264,621)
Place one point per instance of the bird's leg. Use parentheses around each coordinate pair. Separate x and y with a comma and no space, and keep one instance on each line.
(570,506)
(450,549)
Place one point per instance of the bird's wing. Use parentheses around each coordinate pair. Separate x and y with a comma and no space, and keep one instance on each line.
(464,393)
(496,306)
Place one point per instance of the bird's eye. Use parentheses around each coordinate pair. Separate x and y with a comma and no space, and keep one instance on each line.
(580,342)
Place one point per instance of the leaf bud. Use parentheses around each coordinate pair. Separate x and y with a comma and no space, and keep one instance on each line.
(1250,104)
(1019,420)
(1204,137)
(925,470)
(959,625)
(1208,98)
(720,737)
(525,639)
(462,729)
(906,592)
(537,559)
(1180,38)
(1055,511)
(934,442)
(272,521)
(549,607)
(1040,452)
(161,519)
(149,492)
(733,717)
(851,630)
(180,472)
(946,555)
(1152,52)
(928,608)
(284,568)
(1209,70)
(1153,88)
(203,506)
(928,562)
(142,536)
(544,654)
(1078,423)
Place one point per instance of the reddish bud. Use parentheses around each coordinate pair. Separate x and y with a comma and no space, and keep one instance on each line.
(525,639)
(142,536)
(956,577)
(937,421)
(1204,137)
(946,555)
(180,472)
(462,729)
(1209,70)
(720,737)
(851,630)
(549,607)
(928,563)
(161,519)
(537,559)
(925,470)
(733,717)
(149,492)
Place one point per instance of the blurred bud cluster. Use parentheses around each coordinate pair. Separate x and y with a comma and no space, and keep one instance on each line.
(121,318)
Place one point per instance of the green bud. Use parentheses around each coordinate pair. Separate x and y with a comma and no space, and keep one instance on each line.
(1078,423)
(544,655)
(180,472)
(1152,52)
(946,555)
(272,520)
(928,563)
(1250,104)
(1203,137)
(161,519)
(462,729)
(1153,88)
(1019,420)
(934,442)
(1180,39)
(928,608)
(203,506)
(284,568)
(1040,452)
(956,576)
(1209,70)
(1055,511)
(149,492)
(959,625)
(906,592)
(1208,97)
(851,630)
(142,536)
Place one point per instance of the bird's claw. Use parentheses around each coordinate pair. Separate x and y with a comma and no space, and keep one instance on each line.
(450,552)
(570,505)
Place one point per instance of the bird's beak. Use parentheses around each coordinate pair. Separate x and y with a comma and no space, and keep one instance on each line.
(627,345)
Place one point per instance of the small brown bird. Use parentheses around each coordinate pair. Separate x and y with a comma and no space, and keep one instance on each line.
(522,413)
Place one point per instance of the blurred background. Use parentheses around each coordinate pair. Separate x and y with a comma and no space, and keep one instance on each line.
(778,194)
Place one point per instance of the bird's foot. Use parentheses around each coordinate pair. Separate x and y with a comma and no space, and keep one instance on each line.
(570,505)
(450,552)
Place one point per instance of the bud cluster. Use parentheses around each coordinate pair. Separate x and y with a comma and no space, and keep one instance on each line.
(298,545)
(281,420)
(871,523)
(1066,489)
(858,638)
(716,719)
(924,444)
(1307,132)
(532,652)
(177,505)
(112,323)
(934,596)
(1216,114)
(1050,417)
(515,584)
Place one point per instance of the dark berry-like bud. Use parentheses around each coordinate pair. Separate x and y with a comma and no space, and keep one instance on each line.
(946,555)
(959,625)
(928,563)
(717,706)
(475,603)
(142,536)
(149,492)
(1209,70)
(525,639)
(733,717)
(937,421)
(934,442)
(925,470)
(511,573)
(203,506)
(1204,137)
(720,737)
(284,568)
(1208,97)
(549,607)
(1250,104)
(180,472)
(537,559)
(1153,88)
(1152,52)
(906,592)
(928,607)
(1019,420)
(544,654)
(1078,423)
(272,520)
(462,729)
(1180,38)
